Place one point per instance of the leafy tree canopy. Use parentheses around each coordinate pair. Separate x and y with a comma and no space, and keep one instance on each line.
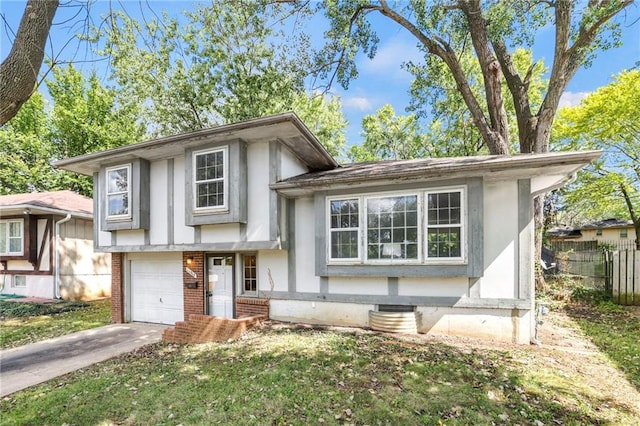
(83,117)
(218,64)
(607,119)
(458,36)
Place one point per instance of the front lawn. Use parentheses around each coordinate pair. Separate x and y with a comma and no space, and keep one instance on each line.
(299,376)
(24,322)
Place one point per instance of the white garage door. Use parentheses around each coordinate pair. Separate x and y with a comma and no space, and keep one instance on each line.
(156,291)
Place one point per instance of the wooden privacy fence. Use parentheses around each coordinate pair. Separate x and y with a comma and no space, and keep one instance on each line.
(624,276)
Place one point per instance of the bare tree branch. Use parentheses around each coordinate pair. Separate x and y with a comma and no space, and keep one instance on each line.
(19,71)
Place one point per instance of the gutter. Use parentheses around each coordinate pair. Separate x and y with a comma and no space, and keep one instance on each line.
(56,276)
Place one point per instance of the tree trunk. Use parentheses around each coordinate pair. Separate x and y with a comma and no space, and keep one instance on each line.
(19,71)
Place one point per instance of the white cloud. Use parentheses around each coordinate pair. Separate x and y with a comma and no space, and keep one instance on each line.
(390,56)
(569,99)
(357,103)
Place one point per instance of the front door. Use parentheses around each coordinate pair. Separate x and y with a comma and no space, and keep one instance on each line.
(220,286)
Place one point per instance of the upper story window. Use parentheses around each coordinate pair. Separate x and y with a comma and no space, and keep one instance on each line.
(210,183)
(415,227)
(119,192)
(444,224)
(12,237)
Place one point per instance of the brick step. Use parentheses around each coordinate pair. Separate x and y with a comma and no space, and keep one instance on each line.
(204,328)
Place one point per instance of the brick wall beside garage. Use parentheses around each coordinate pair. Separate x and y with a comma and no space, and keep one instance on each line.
(117,292)
(193,297)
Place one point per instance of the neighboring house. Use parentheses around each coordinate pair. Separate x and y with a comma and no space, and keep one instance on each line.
(46,247)
(256,217)
(609,231)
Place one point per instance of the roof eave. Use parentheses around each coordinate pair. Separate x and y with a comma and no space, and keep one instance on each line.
(89,163)
(573,161)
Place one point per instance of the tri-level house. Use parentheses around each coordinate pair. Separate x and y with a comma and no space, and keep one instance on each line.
(256,217)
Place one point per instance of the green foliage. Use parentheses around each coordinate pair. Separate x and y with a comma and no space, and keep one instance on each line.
(390,137)
(470,110)
(26,309)
(611,186)
(84,117)
(218,64)
(25,150)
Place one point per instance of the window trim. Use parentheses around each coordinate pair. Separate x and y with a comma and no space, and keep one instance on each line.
(7,222)
(422,259)
(419,207)
(624,233)
(13,281)
(462,259)
(330,230)
(128,215)
(225,179)
(243,291)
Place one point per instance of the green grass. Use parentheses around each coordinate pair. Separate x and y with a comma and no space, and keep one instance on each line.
(308,376)
(615,330)
(24,323)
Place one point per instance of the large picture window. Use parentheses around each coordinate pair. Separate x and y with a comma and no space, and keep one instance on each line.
(392,227)
(344,229)
(418,227)
(119,192)
(209,179)
(444,224)
(11,237)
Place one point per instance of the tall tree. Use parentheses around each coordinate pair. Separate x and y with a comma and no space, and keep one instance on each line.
(611,184)
(444,29)
(390,137)
(84,117)
(25,150)
(217,64)
(19,70)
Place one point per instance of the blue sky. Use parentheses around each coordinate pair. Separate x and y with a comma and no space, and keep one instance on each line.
(381,80)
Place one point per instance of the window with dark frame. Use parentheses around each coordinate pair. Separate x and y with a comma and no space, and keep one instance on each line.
(624,233)
(209,179)
(250,274)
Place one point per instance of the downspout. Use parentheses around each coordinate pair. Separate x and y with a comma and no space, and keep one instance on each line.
(56,276)
(4,275)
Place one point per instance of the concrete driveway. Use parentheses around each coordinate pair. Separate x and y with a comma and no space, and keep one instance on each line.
(35,363)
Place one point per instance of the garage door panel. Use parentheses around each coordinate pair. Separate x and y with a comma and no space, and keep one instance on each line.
(156,291)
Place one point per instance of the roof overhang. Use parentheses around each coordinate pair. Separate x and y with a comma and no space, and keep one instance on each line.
(547,171)
(286,128)
(35,209)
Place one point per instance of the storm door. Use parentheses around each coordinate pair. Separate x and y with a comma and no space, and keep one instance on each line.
(220,286)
